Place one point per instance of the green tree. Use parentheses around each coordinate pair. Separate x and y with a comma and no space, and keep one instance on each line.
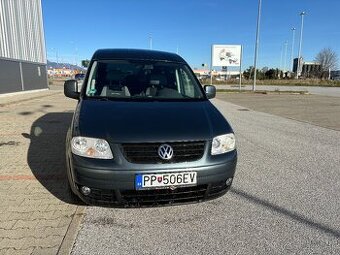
(85,63)
(272,74)
(260,75)
(328,59)
(248,73)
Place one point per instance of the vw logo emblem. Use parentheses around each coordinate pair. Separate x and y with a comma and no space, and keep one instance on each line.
(165,151)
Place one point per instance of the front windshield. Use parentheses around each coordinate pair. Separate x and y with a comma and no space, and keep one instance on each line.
(130,79)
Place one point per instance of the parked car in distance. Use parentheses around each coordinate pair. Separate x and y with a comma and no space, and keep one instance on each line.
(79,77)
(145,133)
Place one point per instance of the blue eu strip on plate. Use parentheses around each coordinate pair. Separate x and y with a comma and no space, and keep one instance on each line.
(138,181)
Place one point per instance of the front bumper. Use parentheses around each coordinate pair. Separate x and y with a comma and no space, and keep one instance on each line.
(115,183)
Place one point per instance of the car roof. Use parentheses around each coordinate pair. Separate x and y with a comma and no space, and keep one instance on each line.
(139,54)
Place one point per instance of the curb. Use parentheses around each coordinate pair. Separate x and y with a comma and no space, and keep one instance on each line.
(72,232)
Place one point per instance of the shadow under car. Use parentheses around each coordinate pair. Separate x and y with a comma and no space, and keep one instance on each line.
(46,153)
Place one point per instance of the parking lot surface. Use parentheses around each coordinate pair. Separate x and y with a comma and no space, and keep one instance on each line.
(321,90)
(284,200)
(36,211)
(319,110)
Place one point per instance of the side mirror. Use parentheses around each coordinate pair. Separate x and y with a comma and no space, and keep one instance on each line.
(210,91)
(71,89)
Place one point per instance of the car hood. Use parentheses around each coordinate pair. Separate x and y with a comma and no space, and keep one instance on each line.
(155,121)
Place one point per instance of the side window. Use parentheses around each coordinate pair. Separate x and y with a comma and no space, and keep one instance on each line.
(187,83)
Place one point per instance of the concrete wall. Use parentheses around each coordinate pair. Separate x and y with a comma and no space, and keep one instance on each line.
(14,78)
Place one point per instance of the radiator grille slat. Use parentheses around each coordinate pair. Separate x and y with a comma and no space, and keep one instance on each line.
(147,153)
(155,197)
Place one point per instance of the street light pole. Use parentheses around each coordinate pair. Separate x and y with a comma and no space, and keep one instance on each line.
(292,52)
(150,41)
(298,73)
(281,58)
(257,41)
(285,60)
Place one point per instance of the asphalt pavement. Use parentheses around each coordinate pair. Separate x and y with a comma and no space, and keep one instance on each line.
(284,200)
(319,110)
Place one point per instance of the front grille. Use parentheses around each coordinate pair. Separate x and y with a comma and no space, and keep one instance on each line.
(147,153)
(156,197)
(102,195)
(164,196)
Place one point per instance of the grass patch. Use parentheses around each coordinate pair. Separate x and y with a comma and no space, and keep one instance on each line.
(301,92)
(283,82)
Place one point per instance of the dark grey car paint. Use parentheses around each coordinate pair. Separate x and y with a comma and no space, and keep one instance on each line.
(132,122)
(142,122)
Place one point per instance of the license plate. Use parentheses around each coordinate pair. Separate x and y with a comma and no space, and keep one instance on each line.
(165,180)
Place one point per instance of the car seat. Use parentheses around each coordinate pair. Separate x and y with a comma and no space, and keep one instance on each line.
(113,86)
(156,83)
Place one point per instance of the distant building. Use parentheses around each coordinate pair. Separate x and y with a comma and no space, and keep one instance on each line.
(335,75)
(307,69)
(295,64)
(22,46)
(219,75)
(62,72)
(223,75)
(311,69)
(57,70)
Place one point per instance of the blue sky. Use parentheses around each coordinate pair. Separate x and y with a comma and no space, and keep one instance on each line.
(75,29)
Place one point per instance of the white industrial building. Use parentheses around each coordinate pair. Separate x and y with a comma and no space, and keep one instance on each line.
(22,46)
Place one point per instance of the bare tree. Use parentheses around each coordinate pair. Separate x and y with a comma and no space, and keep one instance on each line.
(328,59)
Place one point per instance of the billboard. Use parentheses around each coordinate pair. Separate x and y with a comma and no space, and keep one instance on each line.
(226,55)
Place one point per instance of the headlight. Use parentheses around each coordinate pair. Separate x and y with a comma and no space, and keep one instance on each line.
(91,147)
(223,144)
